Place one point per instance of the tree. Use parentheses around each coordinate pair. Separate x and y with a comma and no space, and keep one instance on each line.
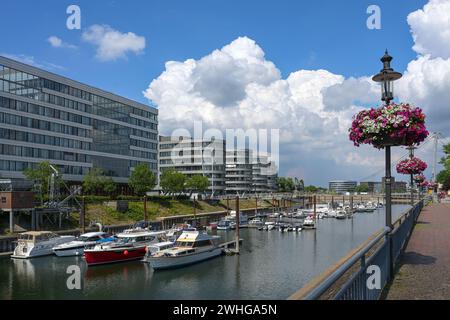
(172,181)
(40,175)
(109,186)
(197,183)
(285,184)
(142,179)
(444,176)
(311,189)
(96,182)
(362,188)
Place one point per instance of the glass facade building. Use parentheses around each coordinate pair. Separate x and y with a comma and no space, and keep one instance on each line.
(76,127)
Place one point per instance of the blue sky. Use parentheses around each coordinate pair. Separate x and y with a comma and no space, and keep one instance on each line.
(294,35)
(308,47)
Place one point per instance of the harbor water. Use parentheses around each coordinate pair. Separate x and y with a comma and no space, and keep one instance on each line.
(272,265)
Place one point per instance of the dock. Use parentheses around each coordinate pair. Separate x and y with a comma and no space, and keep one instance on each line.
(230,244)
(424,265)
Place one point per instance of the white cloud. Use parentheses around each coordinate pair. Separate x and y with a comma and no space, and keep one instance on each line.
(236,87)
(112,44)
(56,42)
(430,28)
(426,83)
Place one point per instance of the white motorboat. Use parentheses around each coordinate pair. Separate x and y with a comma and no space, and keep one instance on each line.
(309,223)
(177,230)
(256,222)
(38,243)
(224,224)
(191,247)
(157,247)
(76,247)
(341,215)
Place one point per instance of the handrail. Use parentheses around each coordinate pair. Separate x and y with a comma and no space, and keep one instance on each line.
(319,285)
(341,268)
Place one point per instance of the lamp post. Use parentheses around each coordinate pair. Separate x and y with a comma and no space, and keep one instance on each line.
(411,155)
(386,78)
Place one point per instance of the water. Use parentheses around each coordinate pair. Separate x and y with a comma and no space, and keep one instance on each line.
(272,265)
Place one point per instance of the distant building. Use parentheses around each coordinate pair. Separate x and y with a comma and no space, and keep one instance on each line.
(239,171)
(378,186)
(342,186)
(247,172)
(195,157)
(397,186)
(373,186)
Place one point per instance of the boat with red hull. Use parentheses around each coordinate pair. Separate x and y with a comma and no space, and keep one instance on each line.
(130,245)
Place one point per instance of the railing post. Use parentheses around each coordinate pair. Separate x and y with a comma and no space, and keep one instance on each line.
(363,274)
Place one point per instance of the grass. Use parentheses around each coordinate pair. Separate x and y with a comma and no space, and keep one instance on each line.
(155,209)
(246,203)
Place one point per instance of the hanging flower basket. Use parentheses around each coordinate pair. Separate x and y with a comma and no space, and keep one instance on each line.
(392,125)
(419,178)
(429,184)
(411,166)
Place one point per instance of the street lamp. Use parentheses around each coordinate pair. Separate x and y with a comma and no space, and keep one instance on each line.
(386,78)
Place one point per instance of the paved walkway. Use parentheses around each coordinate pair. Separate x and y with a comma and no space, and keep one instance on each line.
(424,271)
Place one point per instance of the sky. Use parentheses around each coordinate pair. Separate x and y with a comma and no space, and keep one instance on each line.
(302,67)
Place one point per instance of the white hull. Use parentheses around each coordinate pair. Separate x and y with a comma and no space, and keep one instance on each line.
(180,261)
(70,252)
(29,250)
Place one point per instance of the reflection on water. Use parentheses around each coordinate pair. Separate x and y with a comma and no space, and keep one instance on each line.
(272,265)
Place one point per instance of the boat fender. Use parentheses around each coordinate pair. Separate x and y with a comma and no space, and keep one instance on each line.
(125,252)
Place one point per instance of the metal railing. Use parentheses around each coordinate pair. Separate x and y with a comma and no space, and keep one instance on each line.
(348,280)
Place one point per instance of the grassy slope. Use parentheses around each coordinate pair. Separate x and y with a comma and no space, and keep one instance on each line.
(160,208)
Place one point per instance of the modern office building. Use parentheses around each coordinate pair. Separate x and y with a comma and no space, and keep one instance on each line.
(264,175)
(195,157)
(76,127)
(247,173)
(378,186)
(342,186)
(239,171)
(396,186)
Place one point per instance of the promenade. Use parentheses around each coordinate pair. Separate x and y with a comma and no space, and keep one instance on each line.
(424,271)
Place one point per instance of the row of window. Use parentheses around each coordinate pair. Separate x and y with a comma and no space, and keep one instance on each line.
(43,111)
(144,144)
(22,81)
(6,165)
(144,134)
(143,154)
(153,166)
(75,105)
(43,125)
(10,134)
(29,152)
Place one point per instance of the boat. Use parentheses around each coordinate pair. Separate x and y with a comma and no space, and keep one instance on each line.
(224,224)
(33,244)
(341,214)
(157,247)
(191,247)
(256,222)
(76,247)
(243,220)
(130,245)
(177,230)
(309,223)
